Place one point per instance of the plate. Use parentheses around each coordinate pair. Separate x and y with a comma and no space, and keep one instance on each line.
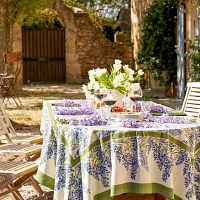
(170,114)
(133,115)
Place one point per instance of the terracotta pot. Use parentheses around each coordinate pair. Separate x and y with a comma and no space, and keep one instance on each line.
(120,38)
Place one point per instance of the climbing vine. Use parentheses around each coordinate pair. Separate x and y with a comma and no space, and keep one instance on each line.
(158,39)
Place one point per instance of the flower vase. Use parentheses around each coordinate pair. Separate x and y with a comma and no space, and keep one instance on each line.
(117,96)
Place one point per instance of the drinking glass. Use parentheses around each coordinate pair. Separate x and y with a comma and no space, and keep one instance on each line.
(136,96)
(146,106)
(100,95)
(109,101)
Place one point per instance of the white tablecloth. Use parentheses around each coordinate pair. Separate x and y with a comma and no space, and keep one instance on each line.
(86,163)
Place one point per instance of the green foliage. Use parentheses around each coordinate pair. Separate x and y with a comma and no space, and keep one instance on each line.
(88,7)
(194,59)
(111,8)
(21,9)
(158,39)
(41,19)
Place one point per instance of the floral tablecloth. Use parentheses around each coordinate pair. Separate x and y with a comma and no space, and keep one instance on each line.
(97,163)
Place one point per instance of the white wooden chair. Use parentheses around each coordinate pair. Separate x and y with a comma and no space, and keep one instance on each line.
(191,103)
(13,175)
(19,152)
(7,129)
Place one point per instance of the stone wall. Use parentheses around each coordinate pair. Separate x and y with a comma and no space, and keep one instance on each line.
(124,18)
(5,43)
(86,47)
(138,8)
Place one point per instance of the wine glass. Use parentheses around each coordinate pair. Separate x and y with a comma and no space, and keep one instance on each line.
(109,101)
(135,96)
(100,95)
(146,106)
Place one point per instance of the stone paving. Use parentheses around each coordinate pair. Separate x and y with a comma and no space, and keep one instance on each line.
(75,92)
(172,102)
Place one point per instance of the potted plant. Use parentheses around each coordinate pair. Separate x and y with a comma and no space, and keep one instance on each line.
(157,53)
(120,36)
(121,79)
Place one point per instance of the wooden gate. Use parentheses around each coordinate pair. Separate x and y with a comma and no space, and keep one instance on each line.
(43,56)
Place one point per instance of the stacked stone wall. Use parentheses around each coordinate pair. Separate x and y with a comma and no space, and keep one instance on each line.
(86,47)
(125,22)
(5,42)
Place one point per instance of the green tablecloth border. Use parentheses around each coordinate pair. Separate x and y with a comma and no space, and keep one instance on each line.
(140,188)
(147,188)
(45,180)
(73,161)
(197,147)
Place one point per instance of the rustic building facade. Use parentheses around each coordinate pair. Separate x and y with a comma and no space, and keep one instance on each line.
(86,47)
(138,8)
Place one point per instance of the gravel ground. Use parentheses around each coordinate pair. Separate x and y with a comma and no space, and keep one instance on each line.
(26,118)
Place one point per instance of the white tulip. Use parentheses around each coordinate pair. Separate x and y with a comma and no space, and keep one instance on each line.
(118,62)
(96,85)
(104,70)
(117,67)
(116,83)
(90,86)
(125,67)
(84,88)
(91,72)
(135,86)
(140,72)
(127,86)
(130,78)
(92,79)
(98,72)
(129,71)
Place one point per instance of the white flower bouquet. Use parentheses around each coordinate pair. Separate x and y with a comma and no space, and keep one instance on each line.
(120,77)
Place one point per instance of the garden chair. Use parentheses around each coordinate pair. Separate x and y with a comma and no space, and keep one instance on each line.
(20,152)
(13,175)
(7,86)
(7,129)
(13,137)
(191,103)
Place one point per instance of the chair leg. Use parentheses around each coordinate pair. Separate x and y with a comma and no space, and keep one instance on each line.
(15,195)
(35,185)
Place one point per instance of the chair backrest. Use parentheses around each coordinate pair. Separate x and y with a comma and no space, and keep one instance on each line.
(191,103)
(4,131)
(5,120)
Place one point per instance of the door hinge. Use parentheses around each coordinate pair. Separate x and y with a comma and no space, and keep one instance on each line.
(185,10)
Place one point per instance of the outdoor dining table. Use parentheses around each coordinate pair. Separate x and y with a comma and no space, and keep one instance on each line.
(100,162)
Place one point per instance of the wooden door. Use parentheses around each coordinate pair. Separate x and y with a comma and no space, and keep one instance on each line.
(43,56)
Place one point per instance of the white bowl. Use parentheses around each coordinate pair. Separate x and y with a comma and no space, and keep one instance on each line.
(133,115)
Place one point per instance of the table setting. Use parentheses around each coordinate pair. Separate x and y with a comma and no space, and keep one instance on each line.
(95,151)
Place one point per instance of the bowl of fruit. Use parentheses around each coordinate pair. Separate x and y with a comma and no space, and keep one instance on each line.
(125,113)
